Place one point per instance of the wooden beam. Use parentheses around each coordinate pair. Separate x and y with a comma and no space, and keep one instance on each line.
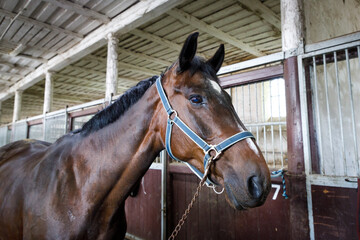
(126,66)
(262,11)
(16,66)
(156,39)
(161,41)
(41,24)
(80,10)
(101,86)
(135,16)
(17,50)
(27,57)
(7,74)
(202,26)
(145,57)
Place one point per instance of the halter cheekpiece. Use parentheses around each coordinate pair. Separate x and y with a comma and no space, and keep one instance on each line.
(209,150)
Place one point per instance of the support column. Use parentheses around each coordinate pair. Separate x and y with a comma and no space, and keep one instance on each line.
(111,67)
(292,39)
(17,110)
(17,105)
(48,93)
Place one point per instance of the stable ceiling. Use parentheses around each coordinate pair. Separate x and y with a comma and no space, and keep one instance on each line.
(46,29)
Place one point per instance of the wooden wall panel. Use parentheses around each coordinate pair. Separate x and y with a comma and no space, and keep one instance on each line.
(143,211)
(335,212)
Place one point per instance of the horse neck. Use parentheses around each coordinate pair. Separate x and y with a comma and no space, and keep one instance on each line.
(120,153)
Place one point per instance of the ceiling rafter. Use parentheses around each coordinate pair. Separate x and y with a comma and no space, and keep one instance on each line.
(162,41)
(41,24)
(42,60)
(262,11)
(9,74)
(126,66)
(80,10)
(203,26)
(101,86)
(16,66)
(145,57)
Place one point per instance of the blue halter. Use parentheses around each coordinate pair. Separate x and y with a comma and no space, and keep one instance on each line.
(207,148)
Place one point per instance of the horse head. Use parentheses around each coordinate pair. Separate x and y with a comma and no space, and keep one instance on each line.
(192,88)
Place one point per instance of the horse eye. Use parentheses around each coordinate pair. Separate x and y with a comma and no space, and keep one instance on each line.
(196,99)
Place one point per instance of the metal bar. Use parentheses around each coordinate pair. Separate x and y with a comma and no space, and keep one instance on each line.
(243,102)
(264,119)
(332,42)
(66,120)
(280,129)
(265,124)
(318,115)
(272,143)
(236,101)
(328,112)
(352,111)
(281,147)
(163,194)
(275,57)
(332,49)
(257,113)
(250,119)
(265,145)
(271,102)
(340,114)
(306,140)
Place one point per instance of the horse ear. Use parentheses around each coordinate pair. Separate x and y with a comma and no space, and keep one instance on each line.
(218,58)
(188,51)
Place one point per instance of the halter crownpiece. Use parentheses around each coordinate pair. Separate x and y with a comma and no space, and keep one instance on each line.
(208,149)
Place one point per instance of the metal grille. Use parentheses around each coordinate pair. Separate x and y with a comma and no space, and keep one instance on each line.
(20,131)
(335,86)
(261,107)
(78,122)
(4,136)
(36,132)
(55,127)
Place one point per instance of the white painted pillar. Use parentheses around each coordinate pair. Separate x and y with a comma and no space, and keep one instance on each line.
(17,105)
(111,67)
(292,24)
(48,93)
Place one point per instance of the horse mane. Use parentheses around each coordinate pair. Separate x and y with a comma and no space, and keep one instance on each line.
(115,110)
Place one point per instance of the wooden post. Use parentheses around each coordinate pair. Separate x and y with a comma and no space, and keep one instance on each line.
(17,105)
(17,110)
(111,67)
(48,93)
(292,37)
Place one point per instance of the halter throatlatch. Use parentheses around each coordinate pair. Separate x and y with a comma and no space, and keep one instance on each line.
(213,151)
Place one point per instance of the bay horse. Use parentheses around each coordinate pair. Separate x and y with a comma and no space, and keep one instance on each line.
(76,187)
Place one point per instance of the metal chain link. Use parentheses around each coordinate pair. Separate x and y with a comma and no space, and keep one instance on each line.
(187,211)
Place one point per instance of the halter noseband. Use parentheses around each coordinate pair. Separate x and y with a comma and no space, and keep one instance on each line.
(207,148)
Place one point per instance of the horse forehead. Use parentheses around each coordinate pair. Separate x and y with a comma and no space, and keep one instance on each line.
(215,86)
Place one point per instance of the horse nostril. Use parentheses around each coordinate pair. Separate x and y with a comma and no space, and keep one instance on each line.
(255,187)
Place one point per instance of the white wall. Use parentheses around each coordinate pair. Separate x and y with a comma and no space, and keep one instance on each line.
(326,19)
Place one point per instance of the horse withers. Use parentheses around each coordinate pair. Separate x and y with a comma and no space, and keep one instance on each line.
(76,187)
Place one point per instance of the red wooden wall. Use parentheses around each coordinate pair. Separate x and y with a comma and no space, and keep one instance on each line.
(335,211)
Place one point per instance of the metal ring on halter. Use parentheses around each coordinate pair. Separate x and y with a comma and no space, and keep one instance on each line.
(214,188)
(171,113)
(212,148)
